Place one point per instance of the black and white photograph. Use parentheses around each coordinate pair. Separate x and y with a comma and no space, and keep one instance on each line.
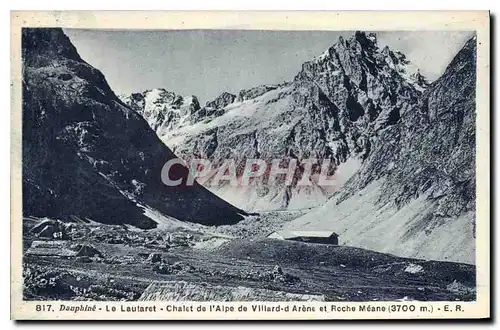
(238,165)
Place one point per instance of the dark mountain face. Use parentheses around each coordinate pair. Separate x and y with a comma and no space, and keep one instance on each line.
(333,110)
(87,155)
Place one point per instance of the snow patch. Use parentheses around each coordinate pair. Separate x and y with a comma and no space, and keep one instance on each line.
(257,112)
(346,170)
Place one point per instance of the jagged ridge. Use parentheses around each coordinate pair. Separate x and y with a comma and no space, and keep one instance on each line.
(88,156)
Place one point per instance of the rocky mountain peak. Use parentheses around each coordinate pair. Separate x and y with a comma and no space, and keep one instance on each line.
(363,81)
(420,172)
(49,44)
(367,41)
(359,57)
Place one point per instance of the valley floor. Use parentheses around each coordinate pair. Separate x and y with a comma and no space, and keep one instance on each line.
(224,264)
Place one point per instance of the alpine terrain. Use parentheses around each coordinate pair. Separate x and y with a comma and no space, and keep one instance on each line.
(415,193)
(401,150)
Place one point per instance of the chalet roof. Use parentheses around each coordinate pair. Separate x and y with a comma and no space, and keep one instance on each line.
(309,233)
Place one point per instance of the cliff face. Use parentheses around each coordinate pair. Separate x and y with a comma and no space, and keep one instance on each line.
(87,155)
(402,150)
(433,147)
(417,186)
(333,110)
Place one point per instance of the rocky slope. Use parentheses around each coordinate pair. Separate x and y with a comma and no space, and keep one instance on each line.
(333,109)
(88,156)
(417,186)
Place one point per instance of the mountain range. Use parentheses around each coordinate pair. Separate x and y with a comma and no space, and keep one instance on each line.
(334,109)
(415,193)
(87,156)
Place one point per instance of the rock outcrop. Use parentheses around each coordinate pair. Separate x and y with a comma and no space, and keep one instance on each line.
(186,291)
(418,183)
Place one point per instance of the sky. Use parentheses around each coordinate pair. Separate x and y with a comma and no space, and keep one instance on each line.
(206,63)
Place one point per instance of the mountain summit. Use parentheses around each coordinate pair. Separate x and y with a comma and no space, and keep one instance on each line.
(163,110)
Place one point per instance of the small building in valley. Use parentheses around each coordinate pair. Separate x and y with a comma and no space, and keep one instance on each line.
(318,237)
